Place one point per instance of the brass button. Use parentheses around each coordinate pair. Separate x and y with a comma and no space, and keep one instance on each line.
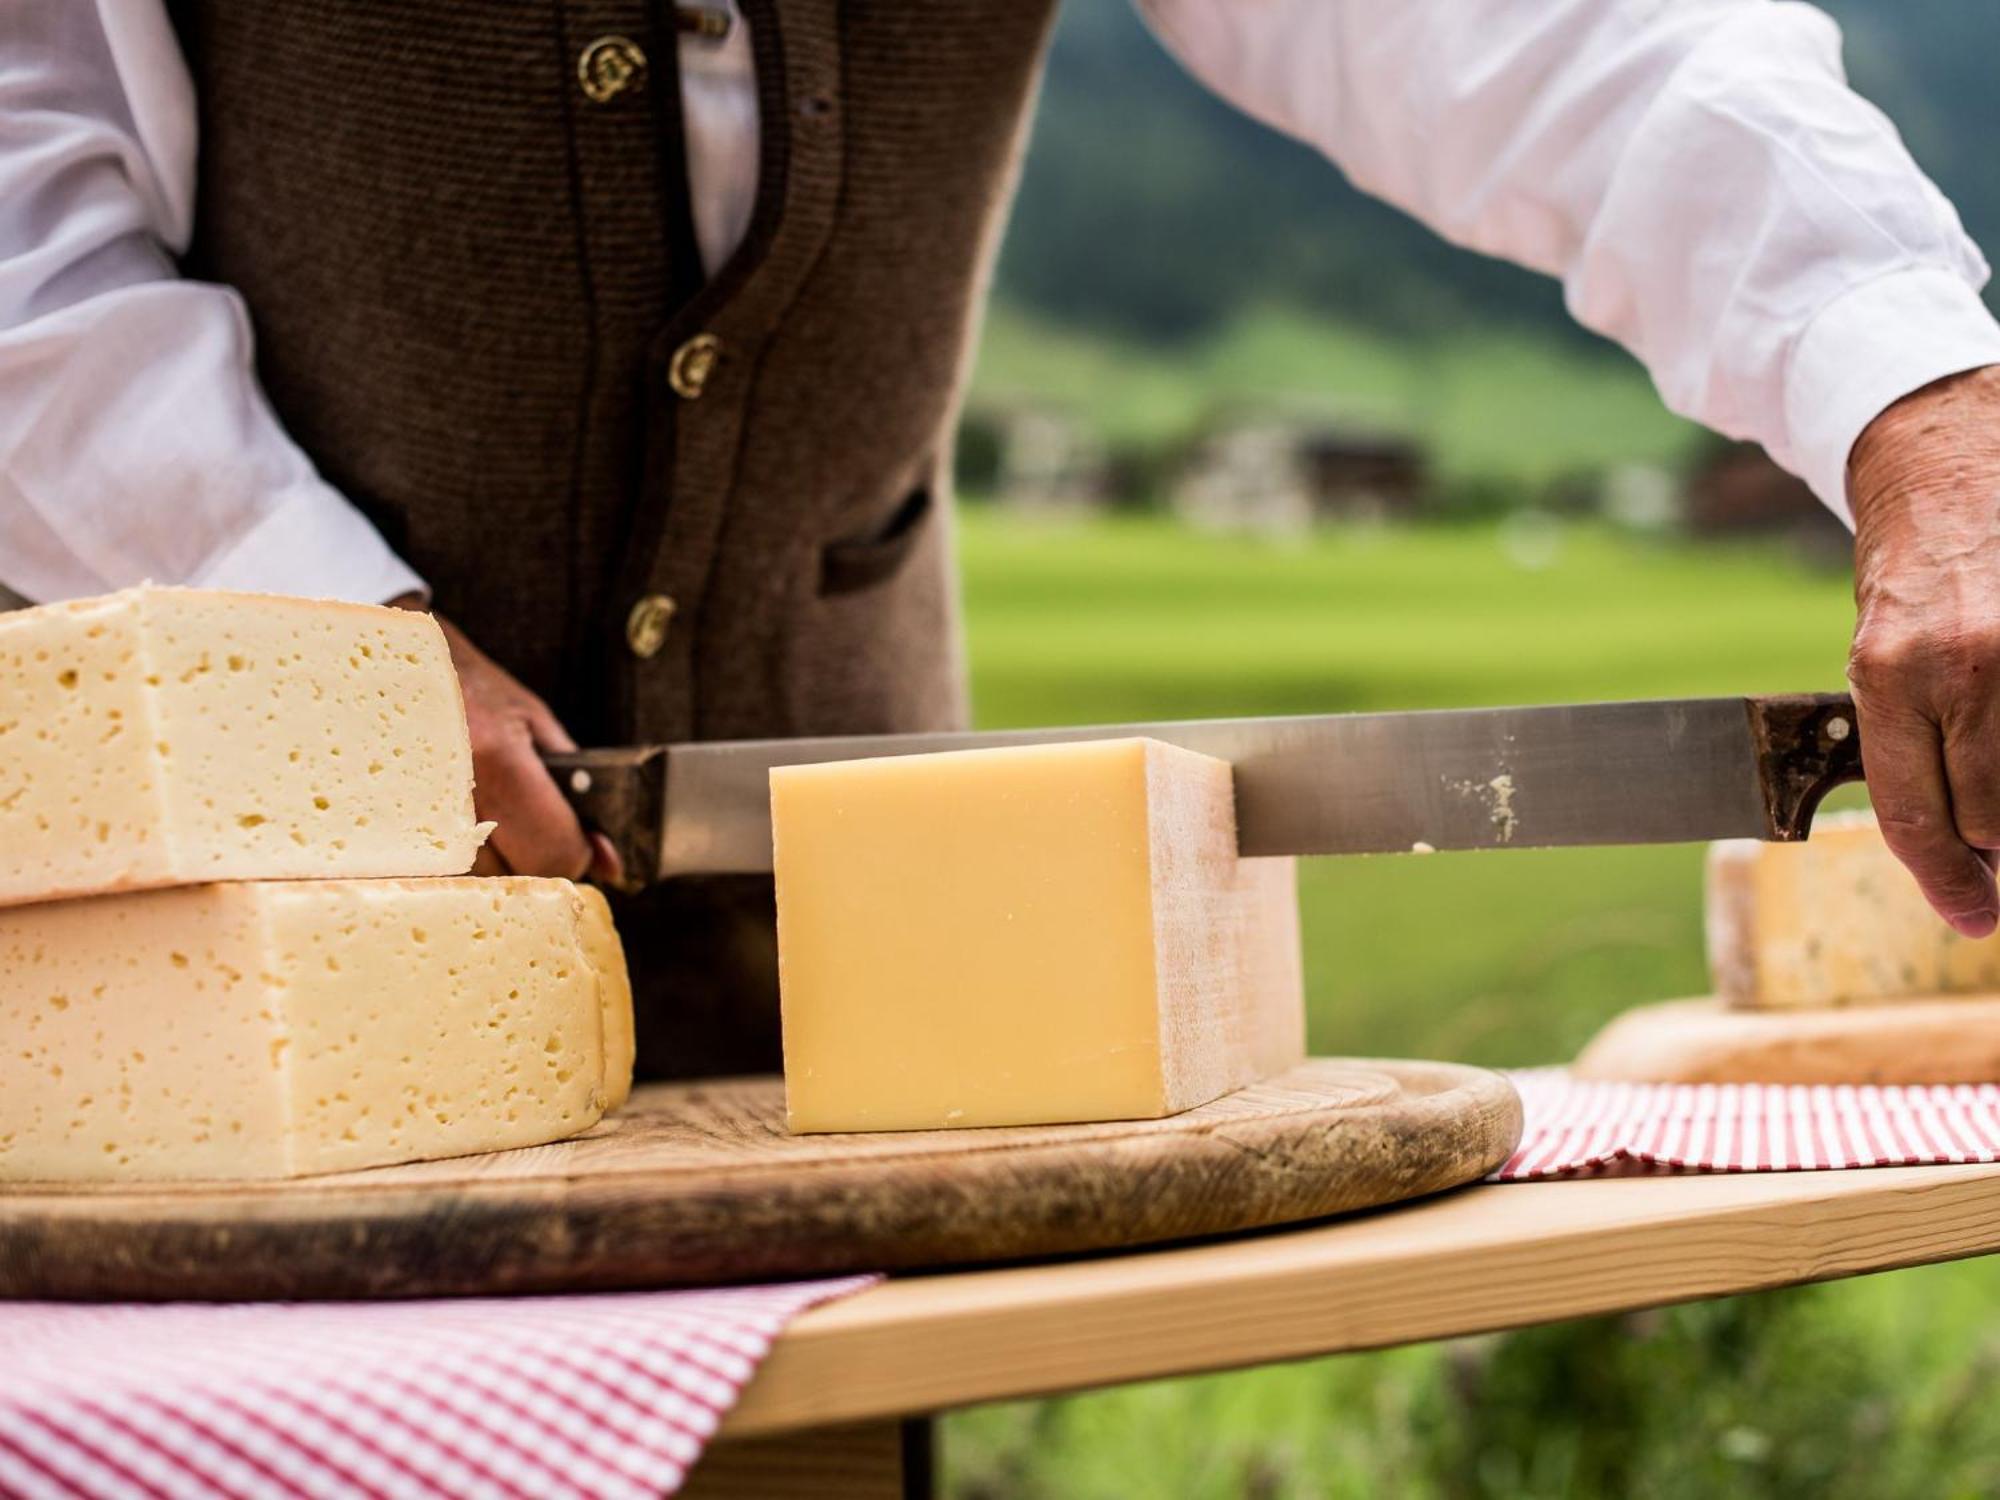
(646,626)
(692,364)
(609,66)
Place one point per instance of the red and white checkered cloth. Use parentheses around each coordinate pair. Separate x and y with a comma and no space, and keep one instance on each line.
(510,1398)
(1574,1128)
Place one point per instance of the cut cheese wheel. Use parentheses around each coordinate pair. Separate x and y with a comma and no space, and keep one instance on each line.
(1835,920)
(272,1029)
(1025,936)
(168,736)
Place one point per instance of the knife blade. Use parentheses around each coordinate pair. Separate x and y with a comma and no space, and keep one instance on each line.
(1490,778)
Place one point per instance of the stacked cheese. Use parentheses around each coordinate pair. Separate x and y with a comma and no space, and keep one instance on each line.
(214,958)
(1022,936)
(1835,920)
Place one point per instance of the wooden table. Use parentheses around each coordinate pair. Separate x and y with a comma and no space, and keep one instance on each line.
(825,1413)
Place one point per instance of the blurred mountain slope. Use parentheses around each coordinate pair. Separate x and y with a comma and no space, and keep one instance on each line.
(1151,209)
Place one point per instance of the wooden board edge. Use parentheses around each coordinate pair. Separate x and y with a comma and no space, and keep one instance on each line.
(1486,1258)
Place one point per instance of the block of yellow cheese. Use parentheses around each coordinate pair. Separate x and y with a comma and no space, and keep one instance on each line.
(167,736)
(1025,936)
(275,1028)
(1835,920)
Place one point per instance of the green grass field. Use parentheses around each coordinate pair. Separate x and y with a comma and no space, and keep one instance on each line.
(1878,1388)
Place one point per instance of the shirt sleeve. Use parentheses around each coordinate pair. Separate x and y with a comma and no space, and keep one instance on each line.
(1697,172)
(135,442)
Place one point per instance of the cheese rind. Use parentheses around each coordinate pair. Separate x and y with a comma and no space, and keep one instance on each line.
(277,1028)
(614,983)
(1835,920)
(1029,935)
(169,736)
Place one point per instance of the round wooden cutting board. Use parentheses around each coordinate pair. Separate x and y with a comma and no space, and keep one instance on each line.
(700,1184)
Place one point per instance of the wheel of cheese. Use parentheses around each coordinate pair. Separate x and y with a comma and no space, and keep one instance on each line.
(161,737)
(279,1028)
(1835,920)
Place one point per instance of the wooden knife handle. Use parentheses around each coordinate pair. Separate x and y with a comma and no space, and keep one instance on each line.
(622,794)
(1807,744)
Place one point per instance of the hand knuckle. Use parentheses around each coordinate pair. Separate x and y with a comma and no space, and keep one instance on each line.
(1884,660)
(1963,659)
(1979,830)
(1952,654)
(503,739)
(493,731)
(1909,828)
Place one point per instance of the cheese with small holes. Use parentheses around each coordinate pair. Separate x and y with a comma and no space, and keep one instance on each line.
(1835,920)
(1026,935)
(279,1028)
(168,736)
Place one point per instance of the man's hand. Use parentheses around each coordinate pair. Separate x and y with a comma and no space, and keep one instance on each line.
(535,831)
(1925,484)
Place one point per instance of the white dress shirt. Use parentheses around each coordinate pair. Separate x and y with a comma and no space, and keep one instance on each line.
(1697,173)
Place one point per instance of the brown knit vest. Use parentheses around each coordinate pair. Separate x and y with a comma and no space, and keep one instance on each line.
(458,267)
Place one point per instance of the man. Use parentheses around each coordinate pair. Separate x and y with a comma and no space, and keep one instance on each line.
(630,338)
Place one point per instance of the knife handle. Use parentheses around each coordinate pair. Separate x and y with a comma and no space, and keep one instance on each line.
(1807,744)
(622,794)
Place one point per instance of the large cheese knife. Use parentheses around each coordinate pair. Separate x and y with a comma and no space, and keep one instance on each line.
(1487,778)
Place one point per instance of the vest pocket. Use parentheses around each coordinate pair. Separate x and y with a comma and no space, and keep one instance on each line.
(847,567)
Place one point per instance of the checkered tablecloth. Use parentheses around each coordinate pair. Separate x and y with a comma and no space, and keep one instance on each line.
(1575,1128)
(616,1395)
(523,1398)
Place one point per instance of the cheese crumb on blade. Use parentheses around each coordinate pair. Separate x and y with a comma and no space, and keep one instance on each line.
(274,1029)
(1029,935)
(169,736)
(1835,920)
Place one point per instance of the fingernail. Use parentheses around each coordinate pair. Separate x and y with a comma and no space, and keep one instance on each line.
(1976,924)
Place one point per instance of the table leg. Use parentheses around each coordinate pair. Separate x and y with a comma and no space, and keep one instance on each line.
(865,1461)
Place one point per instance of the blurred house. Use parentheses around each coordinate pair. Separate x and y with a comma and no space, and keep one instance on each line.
(1736,490)
(1034,457)
(1640,497)
(1280,476)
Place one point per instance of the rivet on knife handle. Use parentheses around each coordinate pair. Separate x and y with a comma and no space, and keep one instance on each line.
(1807,744)
(621,793)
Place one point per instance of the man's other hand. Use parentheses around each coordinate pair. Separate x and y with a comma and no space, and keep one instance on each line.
(1924,480)
(535,832)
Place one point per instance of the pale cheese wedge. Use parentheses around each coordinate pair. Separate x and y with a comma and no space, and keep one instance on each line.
(1835,920)
(277,1028)
(169,736)
(1021,936)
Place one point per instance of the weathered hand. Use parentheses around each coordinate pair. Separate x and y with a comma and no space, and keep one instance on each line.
(1925,484)
(535,831)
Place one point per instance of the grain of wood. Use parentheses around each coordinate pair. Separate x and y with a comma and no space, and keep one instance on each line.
(701,1183)
(1951,1040)
(1489,1257)
(860,1462)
